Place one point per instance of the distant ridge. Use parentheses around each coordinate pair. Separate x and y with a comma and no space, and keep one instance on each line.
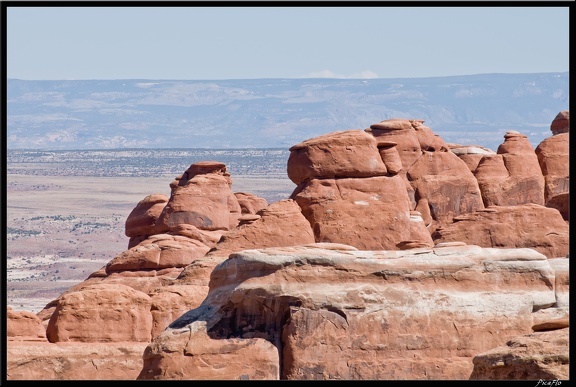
(274,113)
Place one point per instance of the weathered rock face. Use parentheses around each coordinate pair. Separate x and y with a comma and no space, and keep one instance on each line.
(513,176)
(470,154)
(447,185)
(206,358)
(553,156)
(411,137)
(150,271)
(159,252)
(561,268)
(101,313)
(352,190)
(561,123)
(74,361)
(143,220)
(280,224)
(24,326)
(249,203)
(167,303)
(370,213)
(536,356)
(334,312)
(350,153)
(530,225)
(202,197)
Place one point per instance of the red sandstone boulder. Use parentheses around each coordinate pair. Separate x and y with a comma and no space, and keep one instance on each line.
(446,183)
(204,168)
(369,214)
(249,203)
(561,123)
(470,154)
(199,356)
(279,224)
(551,325)
(170,302)
(158,252)
(390,156)
(202,197)
(513,176)
(101,313)
(143,220)
(351,153)
(403,134)
(554,159)
(529,225)
(24,326)
(170,294)
(206,237)
(536,356)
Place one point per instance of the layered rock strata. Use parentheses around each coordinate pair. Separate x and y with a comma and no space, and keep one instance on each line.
(333,312)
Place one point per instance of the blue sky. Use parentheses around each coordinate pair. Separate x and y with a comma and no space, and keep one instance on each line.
(193,43)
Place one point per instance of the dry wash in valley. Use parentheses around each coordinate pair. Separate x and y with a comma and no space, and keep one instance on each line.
(397,256)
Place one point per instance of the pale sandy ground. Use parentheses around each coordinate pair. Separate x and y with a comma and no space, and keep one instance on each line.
(63,228)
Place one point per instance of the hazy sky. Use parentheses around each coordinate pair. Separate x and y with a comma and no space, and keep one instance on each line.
(283,42)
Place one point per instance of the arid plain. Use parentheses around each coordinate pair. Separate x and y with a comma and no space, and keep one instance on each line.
(61,227)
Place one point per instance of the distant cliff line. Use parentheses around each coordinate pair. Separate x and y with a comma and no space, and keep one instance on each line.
(275,113)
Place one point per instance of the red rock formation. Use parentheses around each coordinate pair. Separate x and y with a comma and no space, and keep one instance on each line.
(159,252)
(143,220)
(435,177)
(350,190)
(352,153)
(249,203)
(370,213)
(561,123)
(336,310)
(74,361)
(341,313)
(411,137)
(24,326)
(470,154)
(528,225)
(212,359)
(553,156)
(536,356)
(202,197)
(513,176)
(562,285)
(102,313)
(447,185)
(167,303)
(390,156)
(280,224)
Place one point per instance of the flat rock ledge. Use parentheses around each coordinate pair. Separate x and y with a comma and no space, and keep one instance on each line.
(326,311)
